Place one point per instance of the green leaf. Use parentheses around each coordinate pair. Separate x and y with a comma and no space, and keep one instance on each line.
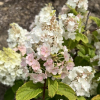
(96,97)
(29,91)
(91,53)
(71,44)
(96,20)
(9,95)
(98,89)
(82,61)
(17,84)
(82,37)
(94,63)
(97,75)
(72,10)
(52,87)
(80,98)
(80,54)
(81,49)
(57,97)
(65,90)
(95,35)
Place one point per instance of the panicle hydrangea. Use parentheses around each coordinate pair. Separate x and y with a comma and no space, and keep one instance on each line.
(80,5)
(46,32)
(69,23)
(47,56)
(10,67)
(16,36)
(80,80)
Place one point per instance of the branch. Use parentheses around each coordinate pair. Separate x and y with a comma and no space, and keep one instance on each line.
(44,88)
(87,21)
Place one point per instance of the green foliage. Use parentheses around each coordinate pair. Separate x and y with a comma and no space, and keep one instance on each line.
(85,52)
(52,87)
(82,37)
(29,91)
(98,89)
(57,97)
(96,20)
(91,53)
(81,49)
(80,98)
(65,90)
(71,44)
(95,34)
(9,94)
(82,61)
(17,84)
(97,75)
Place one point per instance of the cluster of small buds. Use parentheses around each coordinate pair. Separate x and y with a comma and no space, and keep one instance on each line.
(79,5)
(69,25)
(10,67)
(80,79)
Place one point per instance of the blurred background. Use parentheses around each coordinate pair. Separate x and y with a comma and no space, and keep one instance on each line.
(23,13)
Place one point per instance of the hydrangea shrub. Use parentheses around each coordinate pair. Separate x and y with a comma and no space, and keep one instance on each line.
(57,60)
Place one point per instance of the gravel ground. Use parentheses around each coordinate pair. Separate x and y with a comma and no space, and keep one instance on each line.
(23,13)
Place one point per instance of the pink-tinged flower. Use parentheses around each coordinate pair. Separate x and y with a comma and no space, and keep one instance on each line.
(30,59)
(44,50)
(38,71)
(35,65)
(66,55)
(48,63)
(22,49)
(38,77)
(64,74)
(70,65)
(23,63)
(43,58)
(15,49)
(65,48)
(53,70)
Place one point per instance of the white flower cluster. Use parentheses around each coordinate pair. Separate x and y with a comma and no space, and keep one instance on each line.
(16,36)
(80,80)
(80,5)
(10,67)
(46,31)
(69,25)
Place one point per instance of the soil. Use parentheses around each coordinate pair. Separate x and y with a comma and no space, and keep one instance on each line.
(23,13)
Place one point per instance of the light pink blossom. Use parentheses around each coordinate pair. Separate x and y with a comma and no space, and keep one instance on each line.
(35,65)
(44,50)
(22,49)
(23,63)
(64,74)
(29,59)
(48,63)
(70,65)
(66,56)
(38,77)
